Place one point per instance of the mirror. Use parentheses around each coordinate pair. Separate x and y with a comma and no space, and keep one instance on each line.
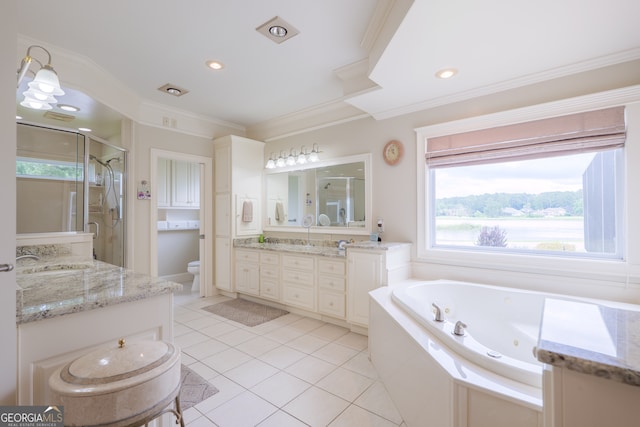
(336,193)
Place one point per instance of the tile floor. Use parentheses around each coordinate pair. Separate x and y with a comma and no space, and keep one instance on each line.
(291,371)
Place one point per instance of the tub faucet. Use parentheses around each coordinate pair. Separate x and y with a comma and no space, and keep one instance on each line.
(459,328)
(438,313)
(28,256)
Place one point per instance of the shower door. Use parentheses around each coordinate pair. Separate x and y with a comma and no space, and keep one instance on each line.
(105,189)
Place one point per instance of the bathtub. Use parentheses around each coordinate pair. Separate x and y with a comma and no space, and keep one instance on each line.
(489,376)
(502,324)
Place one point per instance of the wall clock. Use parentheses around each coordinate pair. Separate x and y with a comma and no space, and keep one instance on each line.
(393,152)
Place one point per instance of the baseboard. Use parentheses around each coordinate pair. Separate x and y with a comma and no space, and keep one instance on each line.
(178,278)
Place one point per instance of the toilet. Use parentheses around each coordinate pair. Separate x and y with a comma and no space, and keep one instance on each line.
(194,268)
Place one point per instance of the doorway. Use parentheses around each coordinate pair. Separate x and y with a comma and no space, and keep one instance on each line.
(180,217)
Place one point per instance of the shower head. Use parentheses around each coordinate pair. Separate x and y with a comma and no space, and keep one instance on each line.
(327,186)
(92,157)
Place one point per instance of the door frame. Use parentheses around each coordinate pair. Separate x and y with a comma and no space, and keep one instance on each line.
(206,215)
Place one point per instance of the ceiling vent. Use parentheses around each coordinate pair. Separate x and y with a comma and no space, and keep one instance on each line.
(173,90)
(58,116)
(277,30)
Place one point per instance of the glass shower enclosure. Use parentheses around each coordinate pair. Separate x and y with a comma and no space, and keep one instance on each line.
(68,181)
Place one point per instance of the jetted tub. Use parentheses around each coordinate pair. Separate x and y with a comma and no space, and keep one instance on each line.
(502,324)
(490,376)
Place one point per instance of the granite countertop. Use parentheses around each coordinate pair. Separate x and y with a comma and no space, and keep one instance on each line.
(57,286)
(322,248)
(592,339)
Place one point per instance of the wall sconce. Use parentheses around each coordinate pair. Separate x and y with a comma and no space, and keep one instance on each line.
(293,159)
(45,85)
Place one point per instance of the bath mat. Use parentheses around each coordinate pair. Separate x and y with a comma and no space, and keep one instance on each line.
(246,312)
(193,388)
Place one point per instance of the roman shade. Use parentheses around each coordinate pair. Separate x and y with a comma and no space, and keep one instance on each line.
(572,134)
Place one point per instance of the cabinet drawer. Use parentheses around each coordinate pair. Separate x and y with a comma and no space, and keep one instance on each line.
(248,256)
(334,283)
(270,289)
(269,258)
(304,278)
(299,262)
(271,272)
(332,304)
(299,296)
(331,267)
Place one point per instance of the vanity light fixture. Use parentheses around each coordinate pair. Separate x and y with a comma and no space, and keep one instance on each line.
(293,158)
(446,73)
(313,156)
(66,107)
(45,85)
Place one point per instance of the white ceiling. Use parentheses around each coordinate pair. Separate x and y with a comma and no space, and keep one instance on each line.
(495,45)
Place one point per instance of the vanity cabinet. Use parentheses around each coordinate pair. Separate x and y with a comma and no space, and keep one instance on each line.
(238,165)
(270,275)
(248,272)
(332,288)
(298,281)
(369,268)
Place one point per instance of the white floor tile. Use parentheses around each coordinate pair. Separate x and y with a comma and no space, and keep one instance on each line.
(356,416)
(361,364)
(205,349)
(204,371)
(335,353)
(307,324)
(282,357)
(353,340)
(345,384)
(246,409)
(201,322)
(310,369)
(258,346)
(226,360)
(282,419)
(251,373)
(307,343)
(202,422)
(280,388)
(376,399)
(284,334)
(329,332)
(189,339)
(218,329)
(227,390)
(236,337)
(316,407)
(180,329)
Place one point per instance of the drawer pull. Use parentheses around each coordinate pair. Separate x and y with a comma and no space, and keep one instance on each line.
(331,304)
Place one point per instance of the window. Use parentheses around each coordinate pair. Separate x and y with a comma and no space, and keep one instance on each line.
(27,167)
(530,194)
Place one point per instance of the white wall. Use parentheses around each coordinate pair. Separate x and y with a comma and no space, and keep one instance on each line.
(395,187)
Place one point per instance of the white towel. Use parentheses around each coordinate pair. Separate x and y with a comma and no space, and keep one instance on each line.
(247,211)
(279,212)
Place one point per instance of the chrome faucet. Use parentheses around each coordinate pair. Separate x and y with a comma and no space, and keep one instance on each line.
(459,328)
(28,256)
(438,313)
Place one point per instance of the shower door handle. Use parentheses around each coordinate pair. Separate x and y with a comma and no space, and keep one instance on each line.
(97,233)
(4,268)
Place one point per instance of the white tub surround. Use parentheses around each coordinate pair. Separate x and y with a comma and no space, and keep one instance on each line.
(431,384)
(593,357)
(317,279)
(69,305)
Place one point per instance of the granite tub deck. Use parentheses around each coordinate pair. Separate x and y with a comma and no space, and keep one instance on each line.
(61,285)
(591,339)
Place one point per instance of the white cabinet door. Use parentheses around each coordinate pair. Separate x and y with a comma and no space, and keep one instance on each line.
(183,184)
(223,264)
(222,168)
(364,275)
(163,186)
(223,214)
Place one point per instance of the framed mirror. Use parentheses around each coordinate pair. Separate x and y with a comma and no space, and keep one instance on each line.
(337,193)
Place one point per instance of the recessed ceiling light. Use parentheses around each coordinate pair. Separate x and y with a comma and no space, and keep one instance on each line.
(277,30)
(172,89)
(66,107)
(215,65)
(84,129)
(446,73)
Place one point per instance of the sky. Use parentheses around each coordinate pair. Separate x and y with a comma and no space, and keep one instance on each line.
(560,174)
